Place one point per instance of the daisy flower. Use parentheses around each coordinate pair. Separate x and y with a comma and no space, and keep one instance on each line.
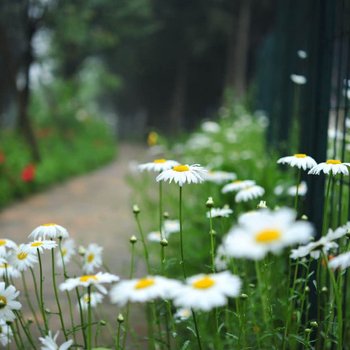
(210,127)
(299,160)
(205,292)
(224,212)
(50,231)
(8,269)
(182,174)
(89,280)
(154,236)
(41,245)
(298,79)
(143,289)
(265,231)
(8,302)
(341,261)
(158,165)
(220,260)
(92,258)
(171,226)
(50,343)
(182,314)
(333,166)
(95,299)
(5,333)
(68,250)
(248,193)
(22,258)
(219,177)
(6,244)
(237,185)
(302,189)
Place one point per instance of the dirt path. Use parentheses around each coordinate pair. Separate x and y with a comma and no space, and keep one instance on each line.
(94,208)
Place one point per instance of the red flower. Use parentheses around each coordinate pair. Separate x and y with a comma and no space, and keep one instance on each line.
(28,173)
(2,157)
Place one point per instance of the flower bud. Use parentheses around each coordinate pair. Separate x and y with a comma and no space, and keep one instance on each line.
(210,203)
(163,242)
(133,239)
(81,250)
(120,318)
(324,290)
(103,322)
(307,289)
(212,232)
(244,296)
(251,285)
(166,215)
(262,205)
(308,330)
(314,324)
(304,217)
(135,209)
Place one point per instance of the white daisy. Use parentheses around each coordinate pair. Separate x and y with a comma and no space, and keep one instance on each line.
(298,79)
(5,333)
(333,166)
(302,54)
(89,280)
(6,244)
(341,261)
(158,165)
(41,245)
(324,244)
(224,212)
(8,269)
(23,257)
(92,258)
(249,193)
(182,174)
(210,127)
(299,160)
(154,236)
(143,290)
(237,185)
(68,250)
(266,231)
(49,231)
(205,292)
(95,299)
(182,314)
(220,260)
(50,343)
(171,226)
(7,302)
(302,189)
(219,177)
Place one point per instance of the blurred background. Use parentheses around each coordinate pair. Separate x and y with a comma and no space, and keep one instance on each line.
(78,75)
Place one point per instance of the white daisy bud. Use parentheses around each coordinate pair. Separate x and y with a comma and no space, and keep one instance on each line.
(135,209)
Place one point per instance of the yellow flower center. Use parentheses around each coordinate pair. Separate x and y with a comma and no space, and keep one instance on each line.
(268,236)
(36,244)
(3,301)
(300,155)
(159,161)
(333,161)
(64,251)
(2,242)
(204,283)
(22,255)
(87,278)
(237,181)
(90,257)
(49,224)
(86,298)
(144,283)
(181,168)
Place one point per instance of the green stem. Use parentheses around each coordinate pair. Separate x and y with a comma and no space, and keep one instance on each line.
(67,293)
(212,242)
(325,205)
(42,305)
(56,294)
(117,340)
(182,262)
(26,332)
(26,293)
(143,243)
(297,191)
(89,330)
(262,294)
(162,236)
(83,326)
(196,329)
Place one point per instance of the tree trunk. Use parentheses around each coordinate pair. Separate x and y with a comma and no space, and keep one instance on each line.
(178,101)
(23,93)
(237,51)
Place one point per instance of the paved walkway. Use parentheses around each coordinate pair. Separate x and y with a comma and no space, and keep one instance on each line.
(94,208)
